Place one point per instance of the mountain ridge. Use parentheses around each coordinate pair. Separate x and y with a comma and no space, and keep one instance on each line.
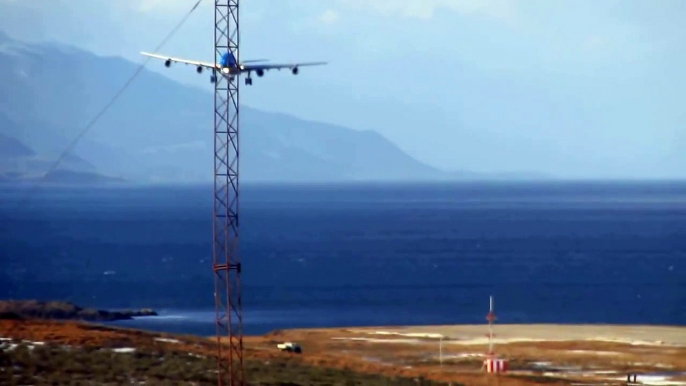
(155,131)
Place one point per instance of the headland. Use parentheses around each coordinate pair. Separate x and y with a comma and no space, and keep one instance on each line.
(22,309)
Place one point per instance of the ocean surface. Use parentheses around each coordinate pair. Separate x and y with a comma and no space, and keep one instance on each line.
(358,255)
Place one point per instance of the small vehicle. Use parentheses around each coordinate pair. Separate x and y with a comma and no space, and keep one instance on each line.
(290,347)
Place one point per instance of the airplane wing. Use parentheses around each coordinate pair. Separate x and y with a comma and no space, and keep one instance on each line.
(256,67)
(255,60)
(179,60)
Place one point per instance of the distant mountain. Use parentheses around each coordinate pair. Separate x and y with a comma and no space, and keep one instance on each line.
(15,158)
(502,176)
(18,162)
(11,148)
(290,149)
(71,177)
(161,131)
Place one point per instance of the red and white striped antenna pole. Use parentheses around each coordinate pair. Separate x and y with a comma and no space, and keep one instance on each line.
(491,318)
(493,364)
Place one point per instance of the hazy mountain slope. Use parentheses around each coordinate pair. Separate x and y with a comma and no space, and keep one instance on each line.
(160,130)
(12,148)
(14,157)
(19,161)
(327,151)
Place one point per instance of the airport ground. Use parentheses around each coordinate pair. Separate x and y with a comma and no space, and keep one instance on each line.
(564,354)
(49,352)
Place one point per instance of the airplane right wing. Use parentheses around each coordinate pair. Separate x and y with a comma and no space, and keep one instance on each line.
(279,66)
(179,60)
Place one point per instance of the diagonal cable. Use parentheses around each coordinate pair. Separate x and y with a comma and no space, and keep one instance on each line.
(116,96)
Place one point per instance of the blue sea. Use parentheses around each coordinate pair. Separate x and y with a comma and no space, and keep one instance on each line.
(358,255)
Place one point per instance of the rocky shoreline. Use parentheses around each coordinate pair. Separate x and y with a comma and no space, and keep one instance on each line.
(33,309)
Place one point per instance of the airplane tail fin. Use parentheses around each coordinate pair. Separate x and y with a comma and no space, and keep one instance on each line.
(228,60)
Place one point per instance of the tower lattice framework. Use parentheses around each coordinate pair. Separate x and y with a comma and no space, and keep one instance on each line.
(226,262)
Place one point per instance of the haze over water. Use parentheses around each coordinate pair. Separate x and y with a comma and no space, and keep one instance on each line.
(352,255)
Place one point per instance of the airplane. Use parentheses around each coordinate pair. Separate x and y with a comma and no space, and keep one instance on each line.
(229,68)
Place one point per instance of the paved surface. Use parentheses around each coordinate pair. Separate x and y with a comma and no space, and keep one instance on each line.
(476,334)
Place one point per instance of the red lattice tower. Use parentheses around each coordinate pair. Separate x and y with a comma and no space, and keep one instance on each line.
(226,263)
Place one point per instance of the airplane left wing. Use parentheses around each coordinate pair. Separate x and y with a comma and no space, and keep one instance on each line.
(179,60)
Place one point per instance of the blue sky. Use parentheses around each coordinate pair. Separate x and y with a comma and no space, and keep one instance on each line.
(579,89)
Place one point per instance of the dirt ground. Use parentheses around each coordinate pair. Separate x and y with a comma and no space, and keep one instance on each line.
(537,354)
(564,354)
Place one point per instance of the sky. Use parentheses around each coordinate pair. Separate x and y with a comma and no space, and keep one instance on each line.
(572,88)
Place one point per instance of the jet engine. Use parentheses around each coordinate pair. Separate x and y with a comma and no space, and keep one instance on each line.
(199,69)
(260,72)
(167,63)
(295,70)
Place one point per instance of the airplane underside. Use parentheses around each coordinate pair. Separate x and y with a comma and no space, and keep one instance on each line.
(230,73)
(248,80)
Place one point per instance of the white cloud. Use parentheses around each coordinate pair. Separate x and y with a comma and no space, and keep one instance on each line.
(329,17)
(425,9)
